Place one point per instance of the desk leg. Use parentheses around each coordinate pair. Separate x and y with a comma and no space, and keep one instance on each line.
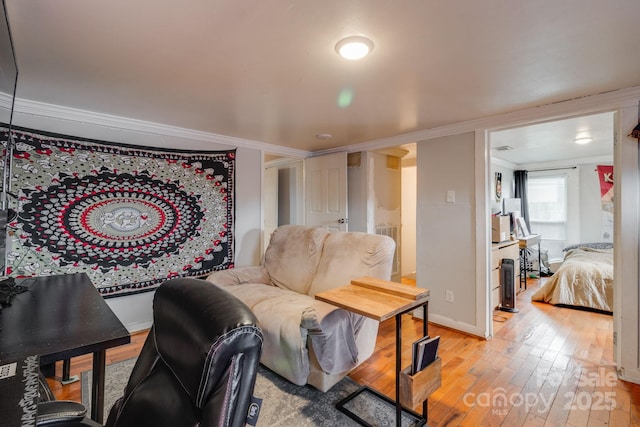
(539,263)
(525,269)
(97,386)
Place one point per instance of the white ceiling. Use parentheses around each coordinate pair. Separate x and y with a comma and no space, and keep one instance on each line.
(267,71)
(555,141)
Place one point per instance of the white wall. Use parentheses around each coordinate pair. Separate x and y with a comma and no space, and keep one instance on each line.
(357,194)
(374,198)
(445,250)
(385,191)
(627,231)
(507,185)
(590,203)
(373,193)
(135,311)
(409,204)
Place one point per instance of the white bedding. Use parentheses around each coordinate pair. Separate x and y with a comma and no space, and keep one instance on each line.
(585,279)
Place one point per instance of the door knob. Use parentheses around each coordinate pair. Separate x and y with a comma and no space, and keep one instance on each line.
(343,221)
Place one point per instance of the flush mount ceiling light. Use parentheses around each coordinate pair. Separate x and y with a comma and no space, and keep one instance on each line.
(354,47)
(583,140)
(324,136)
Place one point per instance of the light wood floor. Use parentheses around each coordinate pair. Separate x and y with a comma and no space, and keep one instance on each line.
(545,366)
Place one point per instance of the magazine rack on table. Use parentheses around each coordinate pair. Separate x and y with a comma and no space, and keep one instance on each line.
(382,300)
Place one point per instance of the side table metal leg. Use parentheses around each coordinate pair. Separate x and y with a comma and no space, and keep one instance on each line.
(425,332)
(425,320)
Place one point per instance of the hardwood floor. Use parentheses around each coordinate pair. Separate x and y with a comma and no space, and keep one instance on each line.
(545,366)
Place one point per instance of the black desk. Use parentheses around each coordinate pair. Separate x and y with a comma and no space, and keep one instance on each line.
(58,318)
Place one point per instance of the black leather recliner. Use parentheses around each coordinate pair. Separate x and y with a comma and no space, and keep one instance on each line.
(197,367)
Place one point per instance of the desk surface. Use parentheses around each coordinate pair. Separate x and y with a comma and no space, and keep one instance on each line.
(374,298)
(59,317)
(530,240)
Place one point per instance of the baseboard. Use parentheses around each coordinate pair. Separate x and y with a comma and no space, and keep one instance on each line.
(138,326)
(452,324)
(630,375)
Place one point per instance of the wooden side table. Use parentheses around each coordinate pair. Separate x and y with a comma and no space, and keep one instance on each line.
(382,300)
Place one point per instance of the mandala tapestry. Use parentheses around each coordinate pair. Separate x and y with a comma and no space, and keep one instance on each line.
(129,217)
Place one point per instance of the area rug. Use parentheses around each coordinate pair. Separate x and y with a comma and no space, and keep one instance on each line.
(130,217)
(284,404)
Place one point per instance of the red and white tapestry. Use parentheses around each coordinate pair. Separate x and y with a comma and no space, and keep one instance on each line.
(605,177)
(130,217)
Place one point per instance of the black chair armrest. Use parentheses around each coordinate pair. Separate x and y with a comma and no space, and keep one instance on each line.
(60,412)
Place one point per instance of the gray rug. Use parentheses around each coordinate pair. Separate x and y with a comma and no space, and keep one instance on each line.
(284,404)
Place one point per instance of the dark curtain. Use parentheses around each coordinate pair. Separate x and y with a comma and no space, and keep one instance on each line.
(520,180)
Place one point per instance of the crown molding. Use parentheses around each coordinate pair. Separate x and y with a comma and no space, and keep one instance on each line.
(41,109)
(578,106)
(589,104)
(503,163)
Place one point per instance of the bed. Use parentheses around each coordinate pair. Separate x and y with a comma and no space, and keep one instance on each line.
(584,280)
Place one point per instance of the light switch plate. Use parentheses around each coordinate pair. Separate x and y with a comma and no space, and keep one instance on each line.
(451,196)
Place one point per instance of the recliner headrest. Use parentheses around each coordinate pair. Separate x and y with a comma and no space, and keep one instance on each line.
(198,328)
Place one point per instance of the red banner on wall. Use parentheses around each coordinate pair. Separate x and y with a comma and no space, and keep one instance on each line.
(605,176)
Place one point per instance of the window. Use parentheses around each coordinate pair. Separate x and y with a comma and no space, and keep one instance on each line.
(548,211)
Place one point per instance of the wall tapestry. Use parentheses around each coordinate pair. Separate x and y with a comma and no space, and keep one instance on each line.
(605,176)
(128,216)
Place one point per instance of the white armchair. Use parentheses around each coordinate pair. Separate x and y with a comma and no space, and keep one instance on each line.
(306,340)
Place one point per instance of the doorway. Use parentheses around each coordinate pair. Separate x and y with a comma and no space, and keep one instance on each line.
(570,151)
(282,192)
(284,198)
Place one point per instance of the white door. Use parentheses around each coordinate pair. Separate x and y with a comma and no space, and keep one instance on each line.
(326,191)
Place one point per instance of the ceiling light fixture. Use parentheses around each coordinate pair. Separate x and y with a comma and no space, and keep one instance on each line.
(354,47)
(324,136)
(582,141)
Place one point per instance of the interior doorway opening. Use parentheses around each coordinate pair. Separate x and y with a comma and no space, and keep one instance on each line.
(567,201)
(282,193)
(374,206)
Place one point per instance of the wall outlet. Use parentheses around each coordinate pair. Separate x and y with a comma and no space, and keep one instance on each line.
(448,297)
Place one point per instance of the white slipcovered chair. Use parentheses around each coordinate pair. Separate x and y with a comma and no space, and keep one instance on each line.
(306,340)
